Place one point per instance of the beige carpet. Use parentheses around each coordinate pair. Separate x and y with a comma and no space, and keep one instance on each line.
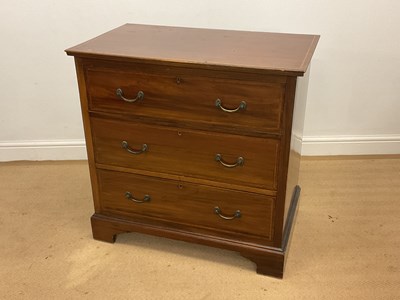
(346,242)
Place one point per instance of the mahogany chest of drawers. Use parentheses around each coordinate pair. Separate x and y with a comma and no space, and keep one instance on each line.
(191,134)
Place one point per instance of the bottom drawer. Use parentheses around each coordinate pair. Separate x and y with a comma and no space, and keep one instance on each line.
(185,203)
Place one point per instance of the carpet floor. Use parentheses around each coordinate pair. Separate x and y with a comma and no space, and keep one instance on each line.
(345,243)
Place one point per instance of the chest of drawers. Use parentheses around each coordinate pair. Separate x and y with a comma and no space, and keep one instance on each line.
(191,134)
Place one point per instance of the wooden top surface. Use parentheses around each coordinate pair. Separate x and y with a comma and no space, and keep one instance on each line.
(276,53)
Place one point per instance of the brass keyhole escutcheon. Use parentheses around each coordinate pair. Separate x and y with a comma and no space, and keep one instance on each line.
(178,80)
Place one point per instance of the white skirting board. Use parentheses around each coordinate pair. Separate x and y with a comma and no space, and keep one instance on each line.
(309,146)
(43,150)
(350,145)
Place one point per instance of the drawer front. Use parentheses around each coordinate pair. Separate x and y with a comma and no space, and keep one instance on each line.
(186,204)
(179,94)
(187,153)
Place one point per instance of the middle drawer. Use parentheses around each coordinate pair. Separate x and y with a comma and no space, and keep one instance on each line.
(219,157)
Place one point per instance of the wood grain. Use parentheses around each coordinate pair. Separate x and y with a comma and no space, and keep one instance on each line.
(88,132)
(185,203)
(186,152)
(182,72)
(181,94)
(190,179)
(271,53)
(284,156)
(106,227)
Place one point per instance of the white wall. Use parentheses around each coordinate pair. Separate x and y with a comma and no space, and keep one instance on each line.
(354,94)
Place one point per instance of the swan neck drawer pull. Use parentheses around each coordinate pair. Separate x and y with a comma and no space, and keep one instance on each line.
(126,146)
(242,105)
(218,211)
(120,94)
(239,161)
(129,196)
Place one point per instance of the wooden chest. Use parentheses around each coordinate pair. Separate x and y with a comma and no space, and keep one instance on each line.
(191,135)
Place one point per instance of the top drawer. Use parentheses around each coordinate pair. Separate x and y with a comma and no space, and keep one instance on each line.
(210,98)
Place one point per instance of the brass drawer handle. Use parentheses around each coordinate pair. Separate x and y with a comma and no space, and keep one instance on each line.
(129,196)
(218,211)
(239,161)
(125,145)
(139,96)
(242,105)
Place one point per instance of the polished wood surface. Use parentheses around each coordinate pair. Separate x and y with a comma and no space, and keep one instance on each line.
(187,153)
(179,93)
(191,179)
(182,72)
(87,128)
(283,178)
(269,260)
(185,203)
(275,53)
